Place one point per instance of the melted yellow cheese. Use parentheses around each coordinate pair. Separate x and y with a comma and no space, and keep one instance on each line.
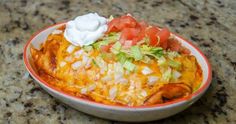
(55,65)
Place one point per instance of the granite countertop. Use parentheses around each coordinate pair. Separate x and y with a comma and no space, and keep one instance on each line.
(209,24)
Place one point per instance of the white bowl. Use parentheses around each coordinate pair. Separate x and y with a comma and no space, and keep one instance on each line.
(120,113)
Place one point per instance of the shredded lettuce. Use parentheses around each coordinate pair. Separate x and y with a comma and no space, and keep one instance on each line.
(127,53)
(166,76)
(118,68)
(115,49)
(162,61)
(146,59)
(121,57)
(101,63)
(155,52)
(94,62)
(129,65)
(88,48)
(145,40)
(174,64)
(112,37)
(145,48)
(172,54)
(98,44)
(136,52)
(105,55)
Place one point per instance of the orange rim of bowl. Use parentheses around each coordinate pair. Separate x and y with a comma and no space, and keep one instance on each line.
(184,99)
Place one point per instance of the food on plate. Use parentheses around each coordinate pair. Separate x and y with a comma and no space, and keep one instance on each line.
(117,61)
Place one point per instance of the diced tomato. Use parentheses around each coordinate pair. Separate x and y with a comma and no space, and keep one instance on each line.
(133,31)
(105,48)
(142,27)
(174,45)
(113,25)
(152,35)
(184,50)
(127,22)
(128,44)
(128,34)
(164,34)
(118,24)
(138,38)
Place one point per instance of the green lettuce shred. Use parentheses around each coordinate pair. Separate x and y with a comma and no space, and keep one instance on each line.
(146,59)
(174,64)
(172,54)
(162,61)
(94,62)
(112,37)
(166,76)
(121,57)
(98,44)
(88,48)
(155,52)
(136,52)
(115,49)
(129,65)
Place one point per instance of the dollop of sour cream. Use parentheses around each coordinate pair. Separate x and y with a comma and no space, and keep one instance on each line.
(86,29)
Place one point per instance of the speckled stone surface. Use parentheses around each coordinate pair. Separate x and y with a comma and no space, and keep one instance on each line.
(209,24)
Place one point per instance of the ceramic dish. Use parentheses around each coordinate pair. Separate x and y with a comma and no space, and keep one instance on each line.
(115,112)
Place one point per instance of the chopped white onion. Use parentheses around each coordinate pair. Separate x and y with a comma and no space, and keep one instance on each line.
(152,79)
(126,99)
(57,32)
(83,91)
(68,59)
(102,64)
(176,74)
(62,64)
(132,85)
(78,53)
(85,59)
(143,93)
(128,44)
(110,69)
(118,73)
(118,68)
(97,76)
(70,48)
(107,78)
(91,87)
(127,72)
(102,71)
(112,92)
(146,71)
(88,64)
(118,76)
(76,65)
(121,80)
